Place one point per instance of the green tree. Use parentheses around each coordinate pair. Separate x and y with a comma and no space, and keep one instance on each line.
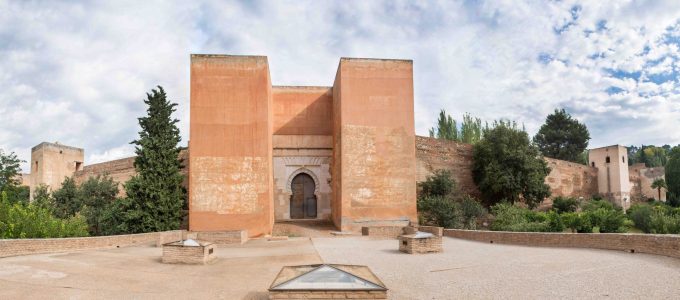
(470,130)
(446,127)
(562,137)
(506,166)
(156,193)
(659,184)
(96,194)
(42,197)
(67,201)
(9,178)
(439,184)
(673,174)
(9,169)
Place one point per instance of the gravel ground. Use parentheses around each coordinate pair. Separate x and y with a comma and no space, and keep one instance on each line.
(473,270)
(466,270)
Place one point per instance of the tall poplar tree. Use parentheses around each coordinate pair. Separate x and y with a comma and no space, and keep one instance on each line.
(156,195)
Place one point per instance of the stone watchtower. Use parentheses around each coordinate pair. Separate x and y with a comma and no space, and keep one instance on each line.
(612,173)
(52,162)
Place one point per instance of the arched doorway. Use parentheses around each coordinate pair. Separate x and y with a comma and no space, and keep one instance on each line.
(303,200)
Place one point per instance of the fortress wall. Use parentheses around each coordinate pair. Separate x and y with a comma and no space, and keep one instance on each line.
(377,142)
(302,110)
(569,179)
(121,170)
(230,183)
(434,154)
(566,179)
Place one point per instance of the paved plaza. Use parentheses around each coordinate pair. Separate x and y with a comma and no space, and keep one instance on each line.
(465,270)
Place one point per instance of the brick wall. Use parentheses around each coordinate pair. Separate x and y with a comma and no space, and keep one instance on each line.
(177,254)
(389,232)
(667,245)
(121,170)
(570,179)
(565,178)
(13,247)
(220,237)
(434,154)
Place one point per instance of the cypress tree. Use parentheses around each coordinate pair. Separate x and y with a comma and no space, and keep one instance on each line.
(156,195)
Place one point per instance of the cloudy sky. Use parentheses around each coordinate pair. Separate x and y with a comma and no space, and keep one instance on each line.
(76,72)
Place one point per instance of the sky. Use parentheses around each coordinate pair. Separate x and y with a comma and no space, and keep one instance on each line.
(77,72)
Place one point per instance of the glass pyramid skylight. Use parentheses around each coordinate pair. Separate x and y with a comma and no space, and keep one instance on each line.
(329,277)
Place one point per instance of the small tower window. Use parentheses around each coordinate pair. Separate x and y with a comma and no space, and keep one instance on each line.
(623,159)
(608,159)
(36,165)
(592,164)
(78,165)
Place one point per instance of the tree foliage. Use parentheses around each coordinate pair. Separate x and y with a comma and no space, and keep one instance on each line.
(506,166)
(673,174)
(650,155)
(67,201)
(9,178)
(659,184)
(97,194)
(441,204)
(31,221)
(470,131)
(562,137)
(156,194)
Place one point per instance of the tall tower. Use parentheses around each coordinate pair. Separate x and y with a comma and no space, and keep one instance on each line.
(612,173)
(52,162)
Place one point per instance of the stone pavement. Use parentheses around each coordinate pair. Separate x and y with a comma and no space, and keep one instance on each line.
(464,270)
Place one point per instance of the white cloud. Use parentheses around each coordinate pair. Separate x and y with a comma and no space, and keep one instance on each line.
(77,72)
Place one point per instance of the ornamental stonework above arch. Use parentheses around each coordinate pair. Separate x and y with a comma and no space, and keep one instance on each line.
(309,172)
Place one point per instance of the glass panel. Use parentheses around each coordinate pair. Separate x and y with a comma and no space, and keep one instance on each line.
(327,278)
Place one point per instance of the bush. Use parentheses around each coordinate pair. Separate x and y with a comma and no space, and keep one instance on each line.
(509,217)
(577,222)
(641,215)
(608,220)
(596,204)
(564,204)
(439,211)
(31,221)
(662,223)
(471,209)
(439,184)
(555,223)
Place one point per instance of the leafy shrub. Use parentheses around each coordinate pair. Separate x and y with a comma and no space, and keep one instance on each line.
(564,204)
(509,217)
(596,204)
(641,215)
(555,223)
(608,220)
(31,221)
(439,184)
(577,222)
(662,223)
(439,211)
(471,209)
